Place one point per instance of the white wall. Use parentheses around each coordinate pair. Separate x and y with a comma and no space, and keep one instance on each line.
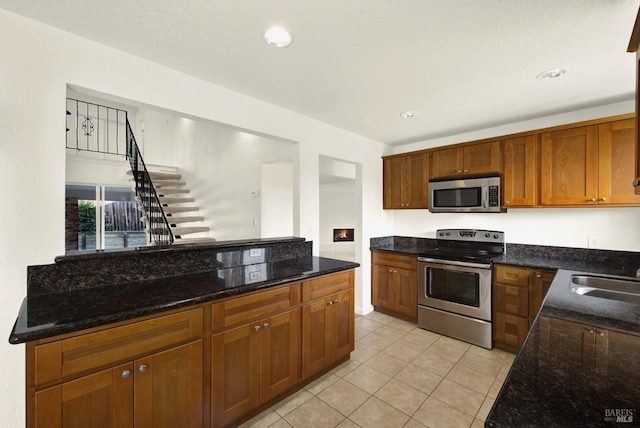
(38,62)
(276,199)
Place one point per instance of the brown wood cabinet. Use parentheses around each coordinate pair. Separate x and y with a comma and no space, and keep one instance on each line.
(405,181)
(73,385)
(254,351)
(470,159)
(520,176)
(634,46)
(252,364)
(328,329)
(394,284)
(597,349)
(517,296)
(213,364)
(589,165)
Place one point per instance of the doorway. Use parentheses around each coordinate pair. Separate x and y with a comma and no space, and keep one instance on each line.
(340,209)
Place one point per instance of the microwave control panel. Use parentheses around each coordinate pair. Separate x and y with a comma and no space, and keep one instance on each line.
(494,196)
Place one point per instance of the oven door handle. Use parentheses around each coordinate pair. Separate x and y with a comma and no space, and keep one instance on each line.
(454,263)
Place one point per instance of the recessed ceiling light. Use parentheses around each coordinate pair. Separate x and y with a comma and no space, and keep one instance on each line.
(551,74)
(408,114)
(277,37)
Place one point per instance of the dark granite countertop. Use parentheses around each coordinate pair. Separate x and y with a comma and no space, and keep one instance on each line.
(48,314)
(566,374)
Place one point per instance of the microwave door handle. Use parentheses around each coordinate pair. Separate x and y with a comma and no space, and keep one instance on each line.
(485,200)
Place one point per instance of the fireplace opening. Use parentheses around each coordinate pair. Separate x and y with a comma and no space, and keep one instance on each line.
(342,235)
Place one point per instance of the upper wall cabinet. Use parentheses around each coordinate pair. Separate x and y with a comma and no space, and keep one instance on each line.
(471,159)
(634,46)
(520,176)
(405,181)
(590,165)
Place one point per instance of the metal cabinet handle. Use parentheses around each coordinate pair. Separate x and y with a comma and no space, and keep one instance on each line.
(506,202)
(265,325)
(602,199)
(591,331)
(600,333)
(335,301)
(459,171)
(257,328)
(538,275)
(591,200)
(126,374)
(143,368)
(466,171)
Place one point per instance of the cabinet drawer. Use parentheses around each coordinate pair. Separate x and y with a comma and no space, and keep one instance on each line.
(512,275)
(510,329)
(395,260)
(253,306)
(327,285)
(512,300)
(67,357)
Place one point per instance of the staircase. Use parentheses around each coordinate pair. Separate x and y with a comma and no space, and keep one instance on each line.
(179,212)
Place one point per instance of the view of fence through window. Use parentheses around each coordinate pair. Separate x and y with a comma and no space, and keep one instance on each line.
(103,218)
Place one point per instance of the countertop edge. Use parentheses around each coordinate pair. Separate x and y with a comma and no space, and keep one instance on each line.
(71,327)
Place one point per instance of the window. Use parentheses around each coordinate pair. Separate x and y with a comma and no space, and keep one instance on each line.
(102,218)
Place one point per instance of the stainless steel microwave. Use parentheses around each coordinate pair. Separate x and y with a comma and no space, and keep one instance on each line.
(469,194)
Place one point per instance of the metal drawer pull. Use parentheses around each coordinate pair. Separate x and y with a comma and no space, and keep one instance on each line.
(142,368)
(257,328)
(266,325)
(126,374)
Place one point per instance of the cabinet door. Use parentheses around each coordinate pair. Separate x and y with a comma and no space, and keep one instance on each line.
(482,158)
(447,162)
(393,173)
(612,363)
(102,400)
(316,336)
(168,388)
(417,192)
(617,155)
(382,286)
(406,292)
(235,373)
(569,167)
(540,283)
(520,174)
(342,325)
(578,344)
(280,345)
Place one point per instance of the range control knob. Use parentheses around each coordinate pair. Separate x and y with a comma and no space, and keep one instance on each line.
(487,235)
(441,234)
(495,236)
(448,233)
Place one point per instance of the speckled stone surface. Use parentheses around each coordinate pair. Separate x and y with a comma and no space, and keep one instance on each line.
(401,244)
(60,299)
(623,263)
(557,380)
(107,268)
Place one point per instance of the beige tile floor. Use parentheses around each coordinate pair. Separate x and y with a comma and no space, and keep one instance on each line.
(399,376)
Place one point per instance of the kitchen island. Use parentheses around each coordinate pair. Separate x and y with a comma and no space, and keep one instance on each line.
(194,336)
(579,366)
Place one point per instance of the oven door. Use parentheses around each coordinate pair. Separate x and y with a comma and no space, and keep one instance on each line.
(457,287)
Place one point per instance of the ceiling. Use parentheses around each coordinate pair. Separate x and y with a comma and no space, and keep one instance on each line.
(357,64)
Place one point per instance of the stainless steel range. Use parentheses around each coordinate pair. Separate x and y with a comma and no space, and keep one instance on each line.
(454,284)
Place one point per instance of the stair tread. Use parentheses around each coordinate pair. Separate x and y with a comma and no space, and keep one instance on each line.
(161,175)
(185,219)
(172,200)
(176,210)
(166,191)
(179,231)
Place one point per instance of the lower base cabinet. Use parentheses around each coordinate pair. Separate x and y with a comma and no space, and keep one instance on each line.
(161,390)
(518,293)
(209,365)
(252,364)
(327,332)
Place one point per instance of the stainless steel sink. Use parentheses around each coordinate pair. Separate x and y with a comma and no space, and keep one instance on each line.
(620,289)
